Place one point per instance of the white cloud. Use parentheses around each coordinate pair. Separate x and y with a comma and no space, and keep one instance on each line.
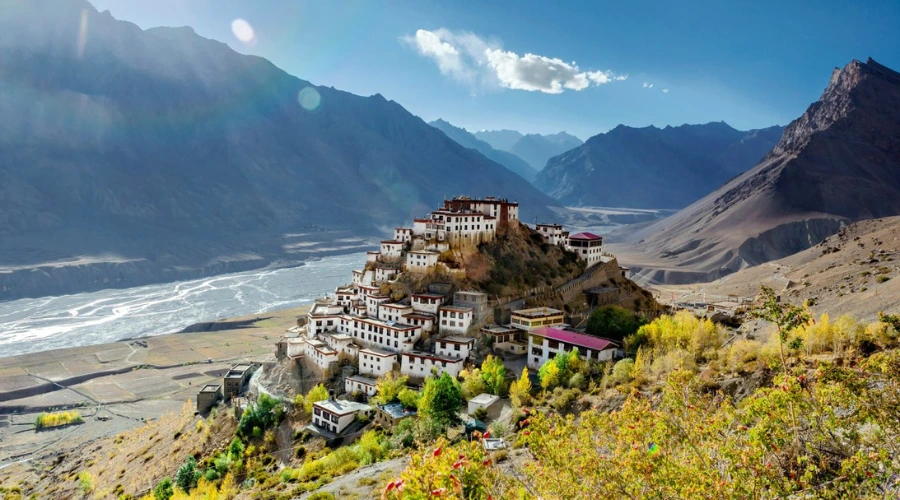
(469,58)
(665,91)
(647,85)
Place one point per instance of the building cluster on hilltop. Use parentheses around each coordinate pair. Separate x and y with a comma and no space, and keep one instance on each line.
(364,324)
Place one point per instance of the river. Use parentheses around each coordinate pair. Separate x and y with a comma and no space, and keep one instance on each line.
(31,325)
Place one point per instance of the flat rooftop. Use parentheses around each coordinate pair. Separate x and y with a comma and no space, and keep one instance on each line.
(537,312)
(362,380)
(499,329)
(210,388)
(342,407)
(396,410)
(485,399)
(456,340)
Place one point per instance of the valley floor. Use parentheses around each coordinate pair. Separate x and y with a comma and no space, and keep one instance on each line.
(129,381)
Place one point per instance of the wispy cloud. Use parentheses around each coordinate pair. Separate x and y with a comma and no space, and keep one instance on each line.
(469,58)
(647,85)
(665,91)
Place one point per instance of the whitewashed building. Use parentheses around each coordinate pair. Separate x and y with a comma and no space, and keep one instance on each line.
(392,311)
(404,234)
(342,343)
(500,208)
(454,347)
(320,353)
(427,302)
(376,362)
(383,274)
(391,250)
(336,415)
(420,261)
(419,364)
(553,233)
(545,342)
(360,384)
(425,320)
(454,319)
(588,246)
(372,332)
(372,303)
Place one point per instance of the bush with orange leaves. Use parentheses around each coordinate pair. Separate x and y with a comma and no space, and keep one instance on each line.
(463,470)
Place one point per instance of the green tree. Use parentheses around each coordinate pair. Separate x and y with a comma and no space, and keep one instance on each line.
(389,387)
(409,398)
(441,400)
(187,475)
(163,490)
(262,414)
(612,322)
(493,372)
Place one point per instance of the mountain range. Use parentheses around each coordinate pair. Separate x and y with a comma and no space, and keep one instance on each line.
(467,139)
(837,163)
(168,147)
(653,167)
(535,149)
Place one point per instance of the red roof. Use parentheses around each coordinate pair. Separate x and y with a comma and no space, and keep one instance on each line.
(585,236)
(592,343)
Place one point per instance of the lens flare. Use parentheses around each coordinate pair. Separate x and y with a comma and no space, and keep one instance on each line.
(243,31)
(309,99)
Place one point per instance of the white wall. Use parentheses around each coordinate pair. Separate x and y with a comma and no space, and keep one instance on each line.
(451,349)
(351,386)
(372,364)
(420,367)
(454,321)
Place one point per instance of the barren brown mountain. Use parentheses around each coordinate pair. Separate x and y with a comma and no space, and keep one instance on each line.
(838,163)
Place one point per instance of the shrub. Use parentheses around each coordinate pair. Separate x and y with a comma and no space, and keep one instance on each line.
(85,482)
(59,419)
(564,399)
(321,495)
(480,414)
(187,475)
(576,381)
(882,279)
(622,371)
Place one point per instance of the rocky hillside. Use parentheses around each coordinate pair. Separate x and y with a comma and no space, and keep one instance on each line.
(162,145)
(466,139)
(855,271)
(838,163)
(654,168)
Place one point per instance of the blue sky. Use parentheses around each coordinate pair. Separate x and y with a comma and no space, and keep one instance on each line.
(751,64)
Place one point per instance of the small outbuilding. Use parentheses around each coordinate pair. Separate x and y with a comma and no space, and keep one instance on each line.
(208,396)
(489,402)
